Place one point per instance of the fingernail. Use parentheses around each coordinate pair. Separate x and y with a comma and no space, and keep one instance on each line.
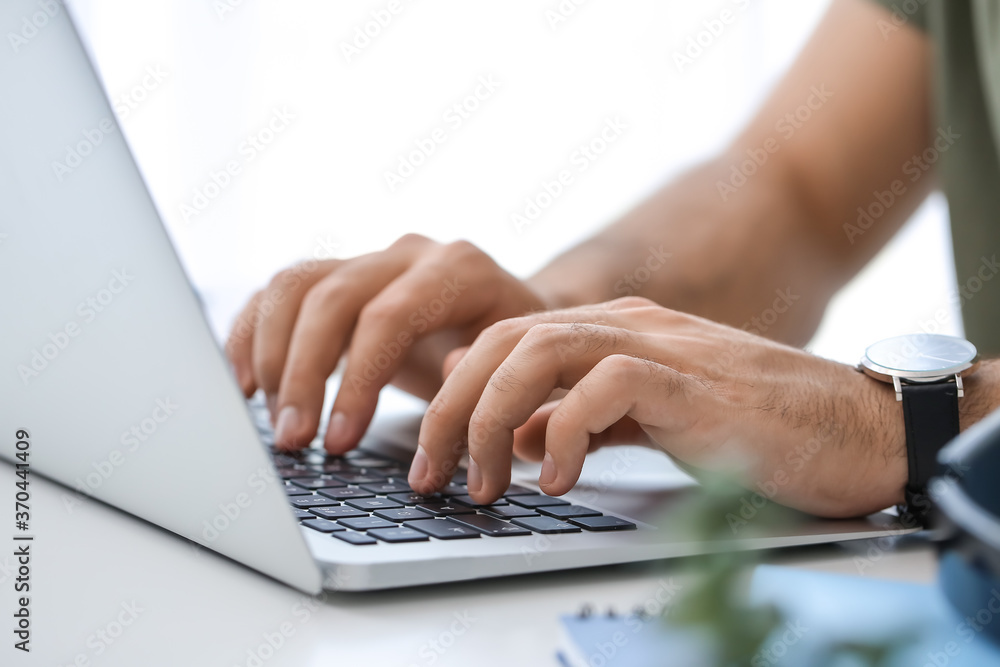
(475,477)
(288,423)
(548,472)
(418,468)
(336,430)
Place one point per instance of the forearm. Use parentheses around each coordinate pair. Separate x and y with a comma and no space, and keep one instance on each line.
(742,235)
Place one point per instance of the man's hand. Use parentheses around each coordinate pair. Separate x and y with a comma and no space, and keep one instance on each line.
(820,436)
(395,314)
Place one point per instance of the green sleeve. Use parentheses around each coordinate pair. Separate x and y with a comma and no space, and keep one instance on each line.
(913,11)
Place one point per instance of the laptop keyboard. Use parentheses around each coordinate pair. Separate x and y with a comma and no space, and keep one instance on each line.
(363,499)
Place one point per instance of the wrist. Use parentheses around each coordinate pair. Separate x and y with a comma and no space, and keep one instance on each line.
(869,472)
(883,436)
(982,393)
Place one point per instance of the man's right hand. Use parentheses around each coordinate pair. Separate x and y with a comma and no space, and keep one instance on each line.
(395,314)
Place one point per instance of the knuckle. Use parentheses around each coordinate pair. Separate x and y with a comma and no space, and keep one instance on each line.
(411,240)
(380,311)
(267,368)
(244,327)
(563,421)
(477,428)
(627,302)
(544,334)
(482,424)
(504,329)
(586,338)
(504,379)
(323,294)
(437,410)
(282,279)
(462,249)
(625,368)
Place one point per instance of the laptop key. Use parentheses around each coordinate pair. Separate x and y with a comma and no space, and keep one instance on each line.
(537,500)
(358,477)
(355,454)
(303,514)
(342,512)
(312,501)
(454,489)
(366,523)
(445,509)
(403,514)
(314,482)
(414,498)
(323,525)
(311,456)
(351,537)
(400,534)
(371,504)
(293,491)
(545,524)
(386,488)
(467,500)
(602,523)
(567,511)
(489,526)
(344,493)
(289,473)
(515,490)
(443,529)
(368,462)
(508,511)
(330,467)
(283,461)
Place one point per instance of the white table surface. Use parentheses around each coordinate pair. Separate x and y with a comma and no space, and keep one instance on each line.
(198,608)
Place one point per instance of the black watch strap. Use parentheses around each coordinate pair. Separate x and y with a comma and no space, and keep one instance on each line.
(930,413)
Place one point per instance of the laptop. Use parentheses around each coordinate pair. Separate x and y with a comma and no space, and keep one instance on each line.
(112,384)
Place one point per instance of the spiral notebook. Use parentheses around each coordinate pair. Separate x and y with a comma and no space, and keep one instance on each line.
(822,609)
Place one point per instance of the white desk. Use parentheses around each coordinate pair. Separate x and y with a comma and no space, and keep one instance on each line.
(198,608)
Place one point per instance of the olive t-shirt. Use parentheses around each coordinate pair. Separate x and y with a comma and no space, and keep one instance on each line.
(966,36)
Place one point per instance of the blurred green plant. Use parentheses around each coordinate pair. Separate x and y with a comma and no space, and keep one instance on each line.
(714,600)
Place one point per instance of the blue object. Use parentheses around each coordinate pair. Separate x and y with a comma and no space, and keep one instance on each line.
(820,609)
(968,497)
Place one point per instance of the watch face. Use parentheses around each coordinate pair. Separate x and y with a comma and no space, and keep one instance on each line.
(925,354)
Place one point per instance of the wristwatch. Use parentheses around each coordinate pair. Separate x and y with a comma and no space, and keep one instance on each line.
(926,371)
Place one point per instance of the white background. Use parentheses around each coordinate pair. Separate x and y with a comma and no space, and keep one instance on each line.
(321,182)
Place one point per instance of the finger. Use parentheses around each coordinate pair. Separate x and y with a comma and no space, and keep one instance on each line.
(523,382)
(239,346)
(419,302)
(618,387)
(529,439)
(452,360)
(444,428)
(326,318)
(278,307)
